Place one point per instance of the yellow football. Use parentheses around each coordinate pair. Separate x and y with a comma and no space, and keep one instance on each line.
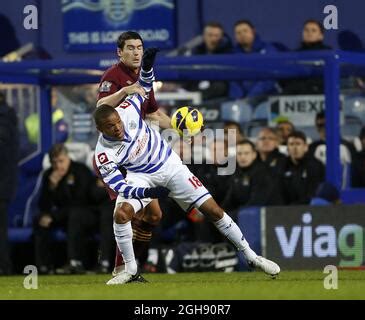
(187,121)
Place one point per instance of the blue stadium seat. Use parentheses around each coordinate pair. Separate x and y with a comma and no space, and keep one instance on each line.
(237,110)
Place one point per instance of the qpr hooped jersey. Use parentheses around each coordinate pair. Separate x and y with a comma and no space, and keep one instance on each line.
(141,150)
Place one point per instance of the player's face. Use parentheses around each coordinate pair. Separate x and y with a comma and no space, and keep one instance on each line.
(297,148)
(61,163)
(232,131)
(132,52)
(245,155)
(113,127)
(244,34)
(285,129)
(212,36)
(267,141)
(312,33)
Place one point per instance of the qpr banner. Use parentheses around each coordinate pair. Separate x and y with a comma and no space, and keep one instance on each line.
(304,237)
(94,25)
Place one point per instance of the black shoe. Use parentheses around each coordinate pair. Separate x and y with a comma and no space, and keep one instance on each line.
(137,278)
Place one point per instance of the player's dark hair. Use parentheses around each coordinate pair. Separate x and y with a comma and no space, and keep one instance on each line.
(244,21)
(320,26)
(214,24)
(298,135)
(56,150)
(249,142)
(320,115)
(101,113)
(233,123)
(128,35)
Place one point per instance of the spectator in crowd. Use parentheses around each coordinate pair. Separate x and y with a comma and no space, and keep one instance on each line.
(68,200)
(312,39)
(326,194)
(215,41)
(358,174)
(302,172)
(318,148)
(231,138)
(313,36)
(9,142)
(238,133)
(247,42)
(252,183)
(267,147)
(284,128)
(7,31)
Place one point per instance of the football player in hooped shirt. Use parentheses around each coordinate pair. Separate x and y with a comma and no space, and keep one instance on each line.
(117,82)
(153,171)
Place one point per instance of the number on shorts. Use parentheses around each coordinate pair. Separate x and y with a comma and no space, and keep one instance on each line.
(195,182)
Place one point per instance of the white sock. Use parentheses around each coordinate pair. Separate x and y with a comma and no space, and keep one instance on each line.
(123,235)
(233,233)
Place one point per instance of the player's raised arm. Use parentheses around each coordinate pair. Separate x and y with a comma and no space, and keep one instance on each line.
(146,77)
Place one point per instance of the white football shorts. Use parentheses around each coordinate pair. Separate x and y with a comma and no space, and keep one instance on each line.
(185,188)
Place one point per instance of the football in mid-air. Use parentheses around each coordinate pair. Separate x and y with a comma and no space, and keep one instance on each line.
(187,121)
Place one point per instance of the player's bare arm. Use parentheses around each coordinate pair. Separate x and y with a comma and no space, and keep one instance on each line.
(117,97)
(163,120)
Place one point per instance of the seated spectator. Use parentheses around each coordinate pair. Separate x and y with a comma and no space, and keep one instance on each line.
(231,138)
(267,147)
(318,148)
(215,41)
(68,200)
(302,173)
(247,42)
(312,39)
(284,128)
(237,130)
(252,184)
(326,194)
(313,36)
(358,174)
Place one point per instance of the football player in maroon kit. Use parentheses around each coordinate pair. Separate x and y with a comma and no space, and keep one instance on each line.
(116,84)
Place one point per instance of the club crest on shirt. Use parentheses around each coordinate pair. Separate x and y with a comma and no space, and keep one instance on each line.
(129,82)
(105,86)
(132,125)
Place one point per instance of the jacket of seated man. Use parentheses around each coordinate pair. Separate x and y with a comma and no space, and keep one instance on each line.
(252,186)
(300,181)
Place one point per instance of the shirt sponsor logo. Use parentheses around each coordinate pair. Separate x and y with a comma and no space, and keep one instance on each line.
(140,147)
(132,125)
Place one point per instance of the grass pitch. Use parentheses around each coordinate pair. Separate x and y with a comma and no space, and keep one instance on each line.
(191,286)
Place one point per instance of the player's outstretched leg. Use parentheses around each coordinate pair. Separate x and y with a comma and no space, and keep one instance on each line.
(123,235)
(232,232)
